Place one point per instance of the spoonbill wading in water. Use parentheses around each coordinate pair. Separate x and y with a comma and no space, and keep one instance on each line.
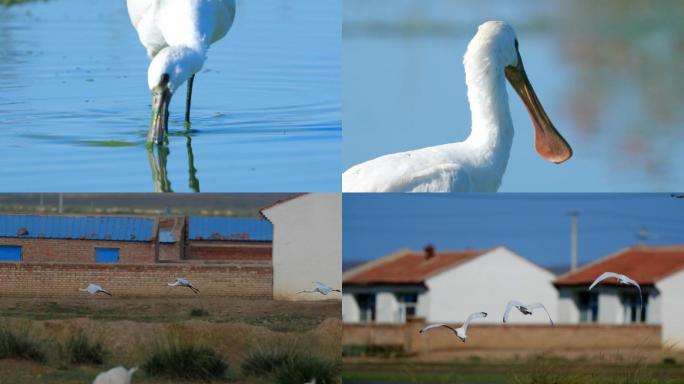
(478,163)
(177,35)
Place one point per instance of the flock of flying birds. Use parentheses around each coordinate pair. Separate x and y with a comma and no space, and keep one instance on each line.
(527,309)
(318,287)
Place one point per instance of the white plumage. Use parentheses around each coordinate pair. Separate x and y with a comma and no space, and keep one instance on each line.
(525,309)
(177,35)
(117,375)
(94,289)
(622,279)
(459,332)
(183,282)
(479,162)
(320,288)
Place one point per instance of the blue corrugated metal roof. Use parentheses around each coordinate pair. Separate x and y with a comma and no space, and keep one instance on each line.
(230,228)
(77,227)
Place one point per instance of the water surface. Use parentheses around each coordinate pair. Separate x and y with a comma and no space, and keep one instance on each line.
(75,107)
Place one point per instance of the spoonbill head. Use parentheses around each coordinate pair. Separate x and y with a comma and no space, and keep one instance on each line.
(177,36)
(478,163)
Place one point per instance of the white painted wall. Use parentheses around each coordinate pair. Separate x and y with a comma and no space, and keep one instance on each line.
(307,245)
(351,312)
(672,309)
(386,307)
(610,308)
(487,283)
(568,308)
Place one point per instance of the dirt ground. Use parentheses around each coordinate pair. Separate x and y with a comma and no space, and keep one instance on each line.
(130,328)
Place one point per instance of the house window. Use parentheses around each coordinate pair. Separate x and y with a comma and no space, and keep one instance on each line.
(634,312)
(588,307)
(106,255)
(10,253)
(367,306)
(407,306)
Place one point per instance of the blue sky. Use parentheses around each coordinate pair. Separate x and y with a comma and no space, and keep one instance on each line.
(535,225)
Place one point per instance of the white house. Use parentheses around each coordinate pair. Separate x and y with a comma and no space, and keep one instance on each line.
(307,245)
(658,270)
(446,286)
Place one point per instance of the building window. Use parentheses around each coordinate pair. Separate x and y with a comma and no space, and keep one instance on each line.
(407,306)
(106,255)
(366,303)
(588,307)
(634,312)
(10,253)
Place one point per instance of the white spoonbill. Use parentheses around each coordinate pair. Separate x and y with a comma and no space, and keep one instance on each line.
(622,279)
(94,289)
(177,35)
(478,163)
(320,288)
(117,375)
(525,309)
(461,331)
(183,282)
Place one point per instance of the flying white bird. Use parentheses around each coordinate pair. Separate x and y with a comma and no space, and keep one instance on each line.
(183,282)
(478,163)
(177,35)
(117,375)
(320,288)
(525,309)
(622,279)
(94,289)
(461,331)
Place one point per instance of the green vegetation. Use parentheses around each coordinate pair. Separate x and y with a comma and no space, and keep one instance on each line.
(7,3)
(198,312)
(80,350)
(386,351)
(20,344)
(289,365)
(178,360)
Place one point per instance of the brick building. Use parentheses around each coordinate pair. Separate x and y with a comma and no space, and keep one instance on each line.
(52,255)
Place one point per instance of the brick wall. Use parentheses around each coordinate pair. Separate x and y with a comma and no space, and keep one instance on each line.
(81,251)
(233,251)
(135,280)
(503,337)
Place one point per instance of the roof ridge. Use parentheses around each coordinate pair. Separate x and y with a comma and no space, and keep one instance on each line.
(373,263)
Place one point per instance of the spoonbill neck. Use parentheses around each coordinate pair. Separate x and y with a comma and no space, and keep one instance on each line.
(491,135)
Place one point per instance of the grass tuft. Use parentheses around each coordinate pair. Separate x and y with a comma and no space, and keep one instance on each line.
(288,365)
(20,344)
(198,312)
(80,350)
(177,360)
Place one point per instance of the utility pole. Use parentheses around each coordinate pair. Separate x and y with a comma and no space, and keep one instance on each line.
(643,235)
(573,239)
(61,203)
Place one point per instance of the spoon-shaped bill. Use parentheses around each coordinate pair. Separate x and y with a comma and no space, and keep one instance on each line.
(549,143)
(161,97)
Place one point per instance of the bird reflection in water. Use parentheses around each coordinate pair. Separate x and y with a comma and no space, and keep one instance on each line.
(158,157)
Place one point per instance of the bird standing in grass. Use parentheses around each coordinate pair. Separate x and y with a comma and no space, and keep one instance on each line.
(117,375)
(177,35)
(94,289)
(183,282)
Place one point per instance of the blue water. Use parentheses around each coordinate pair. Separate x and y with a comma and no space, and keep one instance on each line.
(609,74)
(75,107)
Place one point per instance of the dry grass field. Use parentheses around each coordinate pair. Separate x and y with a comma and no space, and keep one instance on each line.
(130,330)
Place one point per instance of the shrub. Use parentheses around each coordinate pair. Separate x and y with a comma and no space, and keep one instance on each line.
(185,361)
(198,312)
(81,351)
(287,365)
(20,344)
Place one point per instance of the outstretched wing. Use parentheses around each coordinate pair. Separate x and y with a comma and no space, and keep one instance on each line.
(509,306)
(604,276)
(472,317)
(534,306)
(432,326)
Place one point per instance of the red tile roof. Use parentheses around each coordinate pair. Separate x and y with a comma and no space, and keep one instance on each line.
(646,265)
(408,267)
